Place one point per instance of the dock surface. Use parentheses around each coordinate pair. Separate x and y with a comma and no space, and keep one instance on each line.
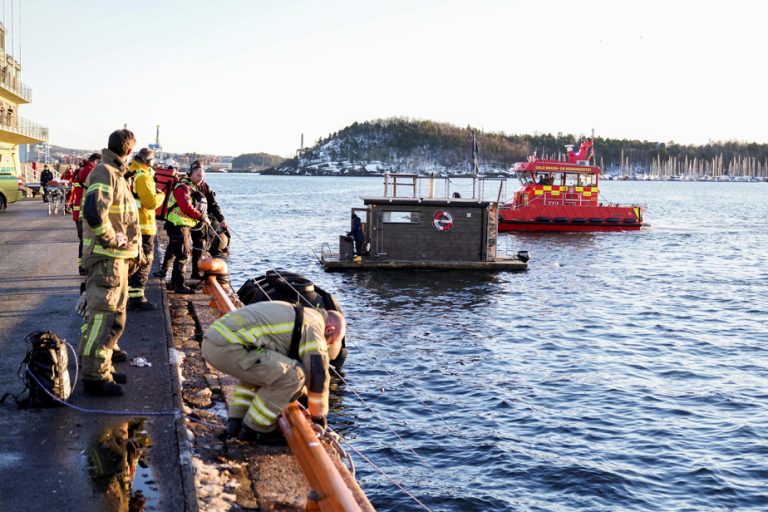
(43,452)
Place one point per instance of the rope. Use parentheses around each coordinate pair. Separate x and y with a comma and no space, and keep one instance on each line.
(380,366)
(378,417)
(385,475)
(94,411)
(176,414)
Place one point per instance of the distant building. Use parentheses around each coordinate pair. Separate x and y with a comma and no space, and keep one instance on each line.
(14,129)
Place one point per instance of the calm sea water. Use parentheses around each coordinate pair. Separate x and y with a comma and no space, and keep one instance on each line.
(622,371)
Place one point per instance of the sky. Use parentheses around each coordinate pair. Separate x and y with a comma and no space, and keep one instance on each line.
(232,76)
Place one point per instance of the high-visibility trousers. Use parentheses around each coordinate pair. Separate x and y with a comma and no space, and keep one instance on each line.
(269,381)
(106,291)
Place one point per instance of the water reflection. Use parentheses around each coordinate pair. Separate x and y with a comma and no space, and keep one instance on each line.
(113,459)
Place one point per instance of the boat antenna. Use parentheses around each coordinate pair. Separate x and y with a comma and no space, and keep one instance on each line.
(594,158)
(474,163)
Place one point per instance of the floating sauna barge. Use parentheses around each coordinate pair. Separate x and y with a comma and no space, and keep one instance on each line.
(405,230)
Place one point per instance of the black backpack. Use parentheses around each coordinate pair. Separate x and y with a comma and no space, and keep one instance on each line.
(44,370)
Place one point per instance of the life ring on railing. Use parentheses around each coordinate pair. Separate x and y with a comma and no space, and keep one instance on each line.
(442,220)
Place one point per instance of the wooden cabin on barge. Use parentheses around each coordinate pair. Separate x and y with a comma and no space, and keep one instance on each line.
(408,228)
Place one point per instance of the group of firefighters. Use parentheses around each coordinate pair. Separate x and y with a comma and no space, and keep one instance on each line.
(277,351)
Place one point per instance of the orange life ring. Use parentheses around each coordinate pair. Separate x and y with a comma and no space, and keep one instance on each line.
(442,220)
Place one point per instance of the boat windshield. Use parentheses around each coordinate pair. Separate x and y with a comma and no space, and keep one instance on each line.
(545,178)
(525,177)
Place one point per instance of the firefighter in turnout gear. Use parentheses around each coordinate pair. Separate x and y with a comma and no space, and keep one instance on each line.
(274,349)
(185,211)
(110,244)
(148,199)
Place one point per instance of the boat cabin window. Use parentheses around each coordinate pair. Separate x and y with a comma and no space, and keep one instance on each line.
(587,180)
(545,178)
(390,217)
(525,178)
(572,179)
(558,179)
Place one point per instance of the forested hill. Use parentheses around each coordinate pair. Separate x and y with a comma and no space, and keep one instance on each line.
(256,161)
(405,145)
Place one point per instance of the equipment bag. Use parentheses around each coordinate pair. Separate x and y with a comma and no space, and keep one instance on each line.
(165,179)
(44,370)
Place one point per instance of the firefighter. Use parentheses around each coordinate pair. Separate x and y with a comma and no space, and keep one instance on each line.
(278,348)
(110,244)
(148,199)
(186,210)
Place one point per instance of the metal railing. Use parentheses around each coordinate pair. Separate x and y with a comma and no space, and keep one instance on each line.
(414,186)
(23,126)
(13,84)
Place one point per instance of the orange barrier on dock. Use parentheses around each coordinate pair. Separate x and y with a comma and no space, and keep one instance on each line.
(334,488)
(330,491)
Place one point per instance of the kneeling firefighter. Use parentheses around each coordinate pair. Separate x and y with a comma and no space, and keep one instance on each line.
(274,349)
(186,210)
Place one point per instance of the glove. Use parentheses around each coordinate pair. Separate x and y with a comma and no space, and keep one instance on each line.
(81,305)
(322,421)
(121,239)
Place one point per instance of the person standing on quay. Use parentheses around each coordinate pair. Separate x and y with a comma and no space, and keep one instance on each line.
(110,243)
(78,184)
(184,213)
(45,177)
(202,233)
(148,199)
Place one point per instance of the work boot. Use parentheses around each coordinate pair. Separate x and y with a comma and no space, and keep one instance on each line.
(185,290)
(233,427)
(140,304)
(120,378)
(274,438)
(119,356)
(102,388)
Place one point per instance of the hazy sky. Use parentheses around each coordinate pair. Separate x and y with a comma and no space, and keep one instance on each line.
(231,77)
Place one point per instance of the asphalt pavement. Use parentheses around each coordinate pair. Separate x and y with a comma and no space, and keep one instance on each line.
(44,459)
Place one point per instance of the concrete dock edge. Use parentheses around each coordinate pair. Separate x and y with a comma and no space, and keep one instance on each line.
(183,445)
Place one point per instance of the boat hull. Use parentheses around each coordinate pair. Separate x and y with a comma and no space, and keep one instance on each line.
(565,218)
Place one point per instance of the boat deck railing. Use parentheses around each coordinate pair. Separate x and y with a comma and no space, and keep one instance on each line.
(415,186)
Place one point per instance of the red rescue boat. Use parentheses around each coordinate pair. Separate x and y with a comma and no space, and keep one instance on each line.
(564,196)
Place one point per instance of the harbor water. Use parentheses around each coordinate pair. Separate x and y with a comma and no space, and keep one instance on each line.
(622,371)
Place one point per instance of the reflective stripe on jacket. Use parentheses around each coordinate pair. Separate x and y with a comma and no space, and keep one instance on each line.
(270,325)
(108,208)
(181,211)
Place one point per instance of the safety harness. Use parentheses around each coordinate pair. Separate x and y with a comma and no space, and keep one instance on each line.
(293,352)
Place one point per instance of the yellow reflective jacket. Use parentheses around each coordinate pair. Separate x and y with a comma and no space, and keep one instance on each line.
(108,208)
(269,325)
(147,197)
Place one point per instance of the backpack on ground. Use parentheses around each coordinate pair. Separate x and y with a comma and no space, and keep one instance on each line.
(44,370)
